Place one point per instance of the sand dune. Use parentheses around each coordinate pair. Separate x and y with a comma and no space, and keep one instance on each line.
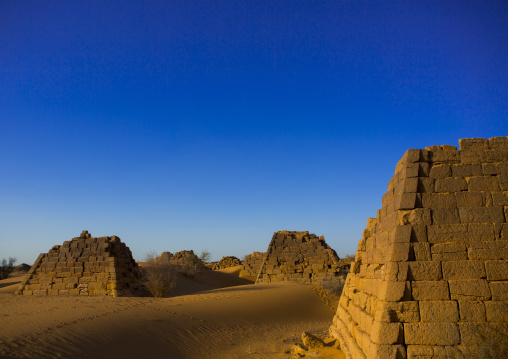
(240,321)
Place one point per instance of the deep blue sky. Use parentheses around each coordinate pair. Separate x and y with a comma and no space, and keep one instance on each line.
(212,124)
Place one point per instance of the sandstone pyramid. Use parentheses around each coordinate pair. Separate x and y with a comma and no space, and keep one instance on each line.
(430,277)
(252,264)
(300,257)
(84,266)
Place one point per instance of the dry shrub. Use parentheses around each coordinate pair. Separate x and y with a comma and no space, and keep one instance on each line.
(205,256)
(330,291)
(7,267)
(350,256)
(159,275)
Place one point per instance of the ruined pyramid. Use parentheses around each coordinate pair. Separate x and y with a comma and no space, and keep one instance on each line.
(430,277)
(300,257)
(84,266)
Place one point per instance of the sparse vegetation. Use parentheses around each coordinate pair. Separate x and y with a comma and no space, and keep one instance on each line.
(330,291)
(7,267)
(205,256)
(159,275)
(350,256)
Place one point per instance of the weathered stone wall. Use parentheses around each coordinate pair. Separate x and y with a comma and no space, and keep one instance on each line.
(227,262)
(430,277)
(183,259)
(84,266)
(300,257)
(252,264)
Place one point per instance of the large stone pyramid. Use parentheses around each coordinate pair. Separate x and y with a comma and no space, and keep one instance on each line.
(300,257)
(430,277)
(84,266)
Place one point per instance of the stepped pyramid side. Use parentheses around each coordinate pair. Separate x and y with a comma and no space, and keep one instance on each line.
(252,264)
(430,277)
(300,257)
(84,266)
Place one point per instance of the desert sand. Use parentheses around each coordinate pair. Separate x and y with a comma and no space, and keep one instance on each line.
(215,315)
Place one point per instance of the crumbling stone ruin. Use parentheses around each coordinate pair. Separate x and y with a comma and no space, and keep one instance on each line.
(252,264)
(185,262)
(430,277)
(300,257)
(84,266)
(227,262)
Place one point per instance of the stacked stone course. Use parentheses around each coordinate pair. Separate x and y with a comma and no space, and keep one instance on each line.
(252,264)
(227,262)
(183,259)
(300,257)
(430,276)
(84,266)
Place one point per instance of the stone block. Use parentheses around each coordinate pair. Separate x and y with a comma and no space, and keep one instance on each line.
(444,156)
(473,144)
(454,184)
(488,253)
(431,333)
(440,171)
(496,156)
(446,257)
(402,234)
(392,291)
(498,143)
(426,271)
(466,170)
(497,270)
(408,170)
(465,269)
(417,216)
(430,290)
(489,169)
(497,311)
(472,157)
(447,233)
(482,215)
(469,199)
(405,201)
(499,290)
(397,252)
(445,216)
(480,232)
(387,333)
(439,200)
(426,185)
(439,311)
(472,311)
(483,183)
(469,289)
(483,334)
(500,199)
(405,312)
(419,233)
(503,182)
(420,252)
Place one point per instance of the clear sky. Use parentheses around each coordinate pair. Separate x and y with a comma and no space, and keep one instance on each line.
(212,124)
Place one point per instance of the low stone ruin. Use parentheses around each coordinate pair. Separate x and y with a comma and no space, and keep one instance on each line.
(227,262)
(184,261)
(84,266)
(430,277)
(300,257)
(252,264)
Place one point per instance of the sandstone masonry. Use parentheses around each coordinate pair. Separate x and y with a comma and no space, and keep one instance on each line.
(430,277)
(227,262)
(84,266)
(300,257)
(252,264)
